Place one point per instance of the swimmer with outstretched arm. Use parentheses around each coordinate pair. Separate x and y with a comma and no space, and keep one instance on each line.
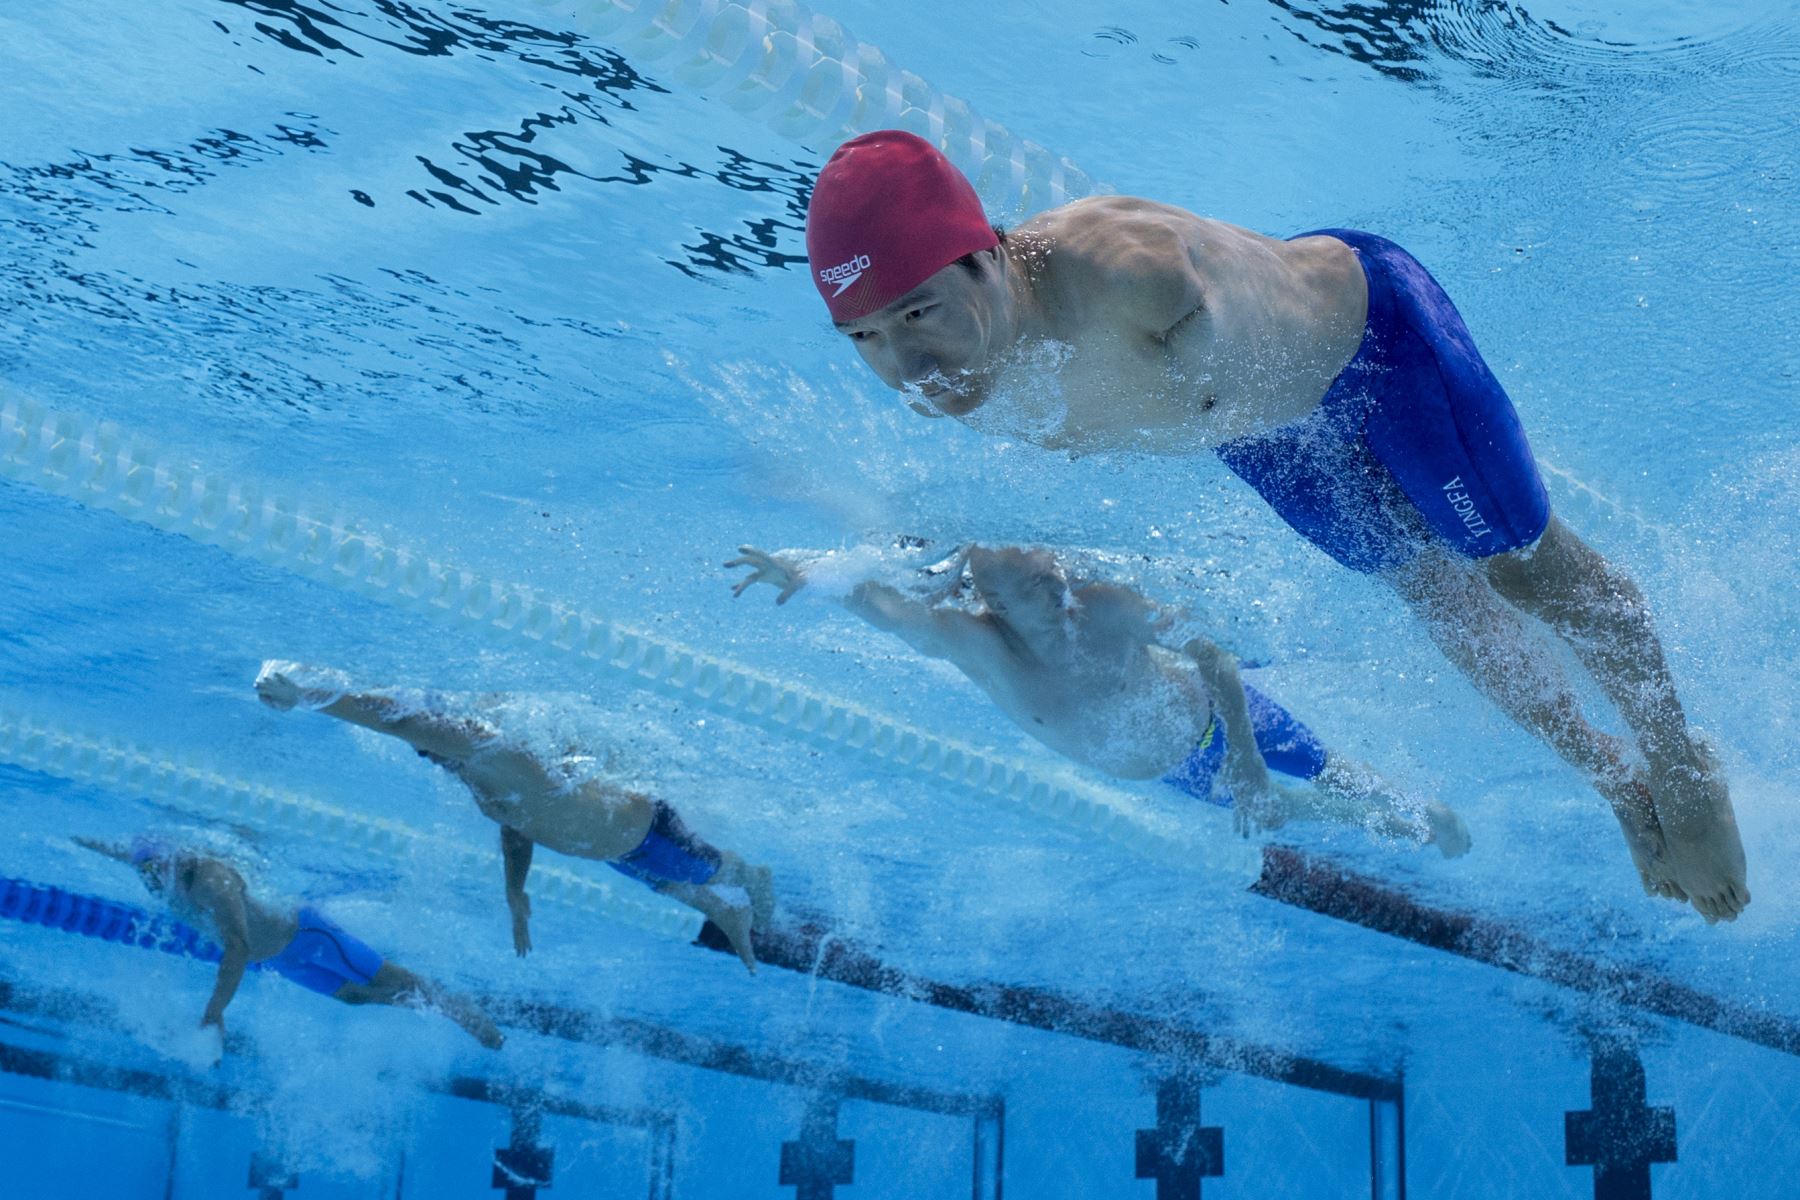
(300,944)
(1078,665)
(536,803)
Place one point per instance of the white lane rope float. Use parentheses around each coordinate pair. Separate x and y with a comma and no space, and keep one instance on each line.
(803,75)
(197,787)
(103,466)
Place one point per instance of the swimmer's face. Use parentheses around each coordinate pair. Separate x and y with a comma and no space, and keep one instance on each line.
(935,342)
(155,874)
(1024,587)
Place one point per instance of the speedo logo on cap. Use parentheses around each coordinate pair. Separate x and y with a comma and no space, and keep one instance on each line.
(845,273)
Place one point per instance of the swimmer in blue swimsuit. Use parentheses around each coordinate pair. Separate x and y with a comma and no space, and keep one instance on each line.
(303,945)
(1079,665)
(541,796)
(1331,373)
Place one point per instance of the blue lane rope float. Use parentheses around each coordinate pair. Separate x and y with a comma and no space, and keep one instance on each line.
(38,745)
(107,920)
(103,466)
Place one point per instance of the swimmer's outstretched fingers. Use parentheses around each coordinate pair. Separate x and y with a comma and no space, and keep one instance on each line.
(767,568)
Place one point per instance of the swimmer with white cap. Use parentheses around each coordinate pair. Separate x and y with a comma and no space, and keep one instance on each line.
(1079,665)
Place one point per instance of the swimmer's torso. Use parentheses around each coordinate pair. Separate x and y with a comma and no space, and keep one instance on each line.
(1130,712)
(584,817)
(1252,331)
(268,930)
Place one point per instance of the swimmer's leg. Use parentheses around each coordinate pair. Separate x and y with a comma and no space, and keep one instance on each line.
(734,920)
(1487,639)
(680,864)
(1346,793)
(757,882)
(399,987)
(1353,793)
(1603,617)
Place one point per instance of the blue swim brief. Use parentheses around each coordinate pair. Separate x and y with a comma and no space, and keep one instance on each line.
(669,853)
(1284,743)
(1414,442)
(323,957)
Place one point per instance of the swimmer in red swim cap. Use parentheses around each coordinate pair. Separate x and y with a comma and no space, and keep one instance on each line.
(1330,372)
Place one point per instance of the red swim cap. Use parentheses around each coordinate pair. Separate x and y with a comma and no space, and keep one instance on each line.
(888,212)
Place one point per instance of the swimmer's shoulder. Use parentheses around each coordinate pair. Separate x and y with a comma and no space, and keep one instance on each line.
(1145,264)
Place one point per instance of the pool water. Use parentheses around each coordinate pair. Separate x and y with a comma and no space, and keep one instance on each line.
(509,288)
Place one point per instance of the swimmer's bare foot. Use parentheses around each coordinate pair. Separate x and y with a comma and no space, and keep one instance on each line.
(734,922)
(1704,855)
(759,883)
(465,1013)
(1636,814)
(484,1031)
(1448,833)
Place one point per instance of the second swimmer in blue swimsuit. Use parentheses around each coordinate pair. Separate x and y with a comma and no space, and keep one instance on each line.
(300,944)
(540,799)
(1080,667)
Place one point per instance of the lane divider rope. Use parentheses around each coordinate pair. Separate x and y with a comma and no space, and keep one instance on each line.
(804,75)
(108,920)
(184,783)
(103,466)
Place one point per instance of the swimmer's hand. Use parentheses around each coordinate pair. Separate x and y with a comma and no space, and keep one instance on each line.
(1261,812)
(521,921)
(1257,802)
(202,1048)
(275,689)
(214,1051)
(767,568)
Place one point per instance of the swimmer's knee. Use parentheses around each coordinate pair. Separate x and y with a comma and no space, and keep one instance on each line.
(1560,577)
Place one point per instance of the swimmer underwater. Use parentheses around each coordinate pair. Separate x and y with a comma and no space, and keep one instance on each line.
(1332,374)
(301,944)
(1080,666)
(535,801)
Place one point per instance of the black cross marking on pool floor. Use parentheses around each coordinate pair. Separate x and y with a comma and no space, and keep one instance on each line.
(1620,1136)
(1179,1152)
(269,1179)
(818,1162)
(522,1166)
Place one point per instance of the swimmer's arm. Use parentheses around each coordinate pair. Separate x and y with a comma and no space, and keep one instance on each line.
(112,850)
(939,632)
(218,891)
(444,736)
(515,852)
(1245,772)
(282,686)
(963,638)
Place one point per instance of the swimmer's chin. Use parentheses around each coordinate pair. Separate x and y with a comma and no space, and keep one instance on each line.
(945,403)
